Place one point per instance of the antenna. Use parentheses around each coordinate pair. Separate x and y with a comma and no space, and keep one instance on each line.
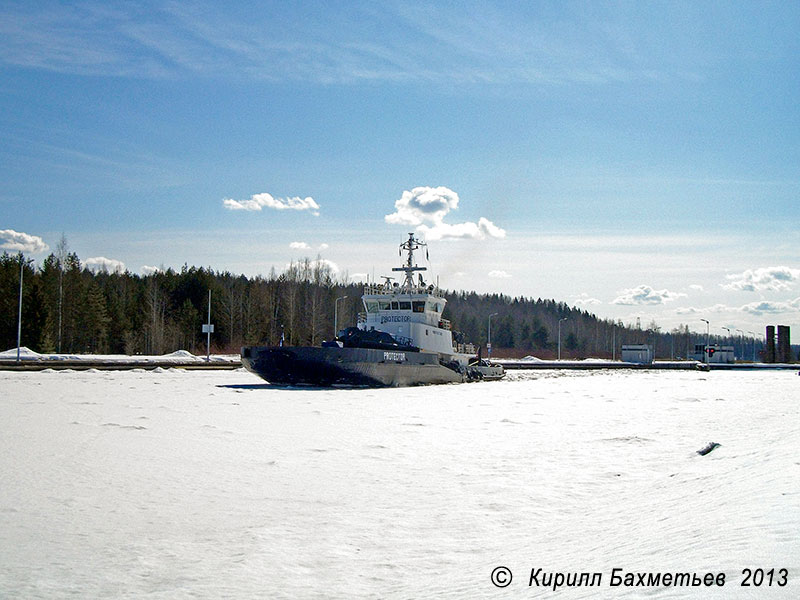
(409,246)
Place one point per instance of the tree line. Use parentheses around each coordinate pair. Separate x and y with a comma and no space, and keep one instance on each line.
(68,308)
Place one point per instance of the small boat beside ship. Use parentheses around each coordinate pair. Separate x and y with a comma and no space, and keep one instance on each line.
(400,340)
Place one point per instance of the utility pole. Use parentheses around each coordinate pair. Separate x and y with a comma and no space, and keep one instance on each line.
(489,337)
(336,315)
(559,336)
(708,337)
(19,320)
(208,329)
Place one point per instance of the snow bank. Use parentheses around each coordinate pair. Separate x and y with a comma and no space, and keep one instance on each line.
(179,356)
(24,352)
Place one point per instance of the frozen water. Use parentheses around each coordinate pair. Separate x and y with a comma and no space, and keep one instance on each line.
(179,484)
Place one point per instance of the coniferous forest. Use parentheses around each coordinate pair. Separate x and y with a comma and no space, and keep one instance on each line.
(70,309)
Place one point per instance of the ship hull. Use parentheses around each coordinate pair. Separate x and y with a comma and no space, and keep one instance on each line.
(298,365)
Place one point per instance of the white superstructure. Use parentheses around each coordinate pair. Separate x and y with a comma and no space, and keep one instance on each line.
(410,311)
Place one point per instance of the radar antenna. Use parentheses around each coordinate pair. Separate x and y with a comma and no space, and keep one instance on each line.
(410,267)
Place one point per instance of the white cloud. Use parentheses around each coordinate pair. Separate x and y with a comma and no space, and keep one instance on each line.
(22,242)
(644,294)
(259,201)
(696,287)
(101,263)
(326,264)
(148,270)
(757,308)
(693,310)
(299,246)
(773,279)
(324,246)
(752,308)
(426,208)
(586,300)
(321,263)
(499,274)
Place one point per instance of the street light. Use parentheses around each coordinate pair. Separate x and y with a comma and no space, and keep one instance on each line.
(336,315)
(489,337)
(742,332)
(559,335)
(613,341)
(708,333)
(730,336)
(19,320)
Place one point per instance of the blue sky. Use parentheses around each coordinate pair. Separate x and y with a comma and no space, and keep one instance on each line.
(640,159)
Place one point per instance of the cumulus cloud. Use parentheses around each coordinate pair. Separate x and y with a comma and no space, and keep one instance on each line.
(260,201)
(752,308)
(758,308)
(499,274)
(101,263)
(696,287)
(21,242)
(693,310)
(324,246)
(586,300)
(773,279)
(320,263)
(148,270)
(299,246)
(426,207)
(644,294)
(325,264)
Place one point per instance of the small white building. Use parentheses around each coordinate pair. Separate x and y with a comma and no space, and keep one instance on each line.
(637,353)
(714,353)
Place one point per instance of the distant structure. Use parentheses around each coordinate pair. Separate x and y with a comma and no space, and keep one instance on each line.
(637,353)
(780,352)
(713,353)
(784,350)
(769,352)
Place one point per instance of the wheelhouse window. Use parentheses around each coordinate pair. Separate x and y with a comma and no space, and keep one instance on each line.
(372,306)
(384,304)
(405,305)
(395,306)
(419,306)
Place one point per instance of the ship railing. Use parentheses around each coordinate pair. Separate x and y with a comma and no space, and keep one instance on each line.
(362,318)
(444,324)
(383,288)
(465,348)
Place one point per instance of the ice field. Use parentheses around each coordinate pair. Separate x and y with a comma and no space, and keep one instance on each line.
(185,484)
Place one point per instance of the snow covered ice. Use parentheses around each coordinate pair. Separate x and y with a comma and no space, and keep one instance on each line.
(186,484)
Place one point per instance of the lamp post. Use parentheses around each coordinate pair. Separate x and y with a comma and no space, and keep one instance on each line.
(336,315)
(730,336)
(742,333)
(559,335)
(489,337)
(19,320)
(708,334)
(613,341)
(754,344)
(208,328)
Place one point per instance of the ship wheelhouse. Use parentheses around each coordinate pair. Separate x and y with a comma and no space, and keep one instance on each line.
(410,311)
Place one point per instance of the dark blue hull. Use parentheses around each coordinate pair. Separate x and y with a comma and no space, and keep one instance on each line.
(299,365)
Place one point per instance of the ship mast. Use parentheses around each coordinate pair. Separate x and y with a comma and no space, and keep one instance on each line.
(409,246)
